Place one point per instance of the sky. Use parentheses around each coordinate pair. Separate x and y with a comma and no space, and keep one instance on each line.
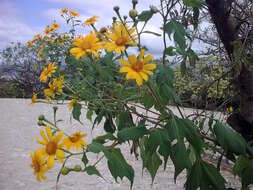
(20,20)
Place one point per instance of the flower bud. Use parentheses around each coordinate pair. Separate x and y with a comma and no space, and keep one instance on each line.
(40,123)
(124,17)
(133,13)
(116,8)
(134,2)
(114,19)
(55,108)
(77,168)
(103,30)
(153,9)
(41,118)
(65,171)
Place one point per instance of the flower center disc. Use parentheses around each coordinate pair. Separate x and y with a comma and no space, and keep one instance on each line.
(74,138)
(121,42)
(51,148)
(138,66)
(86,45)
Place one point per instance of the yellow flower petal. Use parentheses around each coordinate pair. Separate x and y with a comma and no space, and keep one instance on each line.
(50,161)
(132,59)
(124,62)
(60,155)
(43,135)
(144,76)
(139,80)
(49,133)
(147,58)
(58,137)
(149,66)
(125,70)
(41,142)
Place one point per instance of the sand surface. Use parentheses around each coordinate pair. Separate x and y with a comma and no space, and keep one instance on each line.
(18,128)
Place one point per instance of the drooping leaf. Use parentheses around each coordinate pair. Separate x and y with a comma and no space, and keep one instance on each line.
(85,159)
(102,139)
(229,139)
(133,133)
(76,112)
(118,165)
(150,32)
(109,126)
(193,3)
(96,147)
(125,120)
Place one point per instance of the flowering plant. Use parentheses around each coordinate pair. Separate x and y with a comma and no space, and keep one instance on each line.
(132,94)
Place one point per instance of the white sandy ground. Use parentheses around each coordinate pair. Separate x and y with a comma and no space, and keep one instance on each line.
(18,128)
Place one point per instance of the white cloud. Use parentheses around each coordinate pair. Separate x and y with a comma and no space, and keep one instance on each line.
(12,28)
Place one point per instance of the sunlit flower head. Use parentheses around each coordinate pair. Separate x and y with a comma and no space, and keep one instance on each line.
(34,98)
(73,13)
(39,165)
(52,147)
(55,88)
(47,72)
(74,141)
(31,42)
(119,37)
(55,26)
(91,20)
(48,30)
(64,11)
(137,68)
(37,37)
(88,44)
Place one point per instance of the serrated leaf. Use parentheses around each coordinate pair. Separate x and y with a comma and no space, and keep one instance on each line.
(154,163)
(109,126)
(125,120)
(92,170)
(118,165)
(229,139)
(76,112)
(133,133)
(170,51)
(147,101)
(180,158)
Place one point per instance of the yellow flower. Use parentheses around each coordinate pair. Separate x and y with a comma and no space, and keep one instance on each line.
(48,30)
(39,165)
(85,45)
(55,88)
(137,69)
(34,98)
(40,52)
(74,141)
(52,147)
(55,26)
(91,20)
(71,104)
(30,42)
(37,37)
(73,13)
(120,37)
(64,11)
(47,72)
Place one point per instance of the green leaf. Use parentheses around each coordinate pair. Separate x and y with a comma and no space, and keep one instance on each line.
(170,51)
(150,32)
(229,140)
(195,17)
(164,75)
(179,32)
(96,147)
(204,176)
(180,158)
(76,112)
(109,126)
(85,159)
(92,170)
(192,56)
(214,177)
(154,163)
(147,101)
(133,133)
(118,165)
(125,120)
(102,139)
(144,16)
(89,114)
(193,3)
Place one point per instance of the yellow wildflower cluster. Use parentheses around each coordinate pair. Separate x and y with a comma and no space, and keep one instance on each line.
(43,159)
(68,12)
(33,40)
(55,88)
(91,21)
(53,27)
